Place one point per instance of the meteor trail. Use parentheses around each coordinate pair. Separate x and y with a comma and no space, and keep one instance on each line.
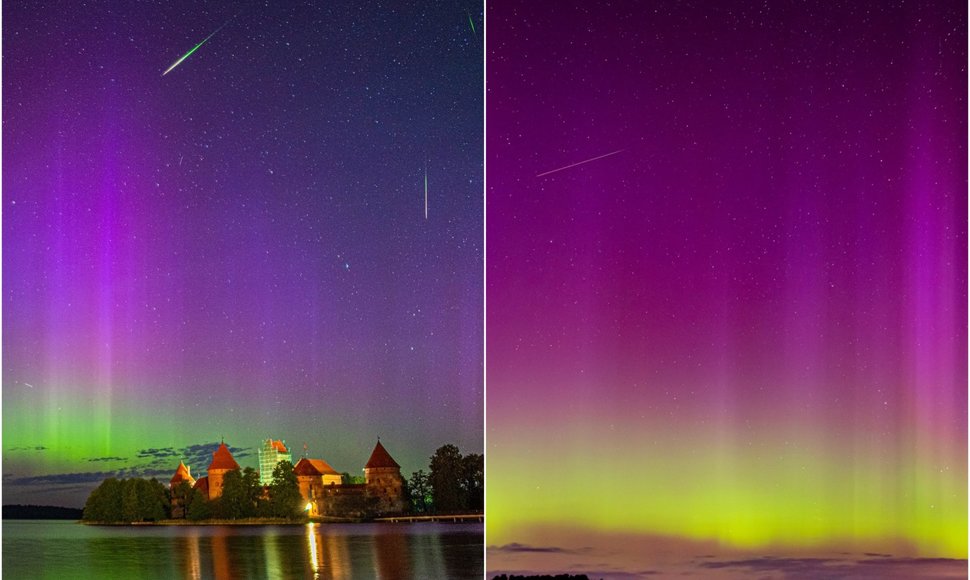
(425,193)
(471,22)
(580,163)
(195,48)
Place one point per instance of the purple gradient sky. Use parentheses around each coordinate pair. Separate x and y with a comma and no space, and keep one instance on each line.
(775,259)
(239,247)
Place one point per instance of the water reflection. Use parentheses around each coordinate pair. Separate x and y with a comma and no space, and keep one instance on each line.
(328,551)
(392,555)
(313,539)
(328,554)
(274,563)
(187,547)
(220,558)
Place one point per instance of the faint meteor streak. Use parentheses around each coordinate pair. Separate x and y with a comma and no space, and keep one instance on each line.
(425,193)
(195,48)
(472,23)
(580,163)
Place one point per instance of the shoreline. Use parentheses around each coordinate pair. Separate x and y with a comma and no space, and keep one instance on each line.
(269,522)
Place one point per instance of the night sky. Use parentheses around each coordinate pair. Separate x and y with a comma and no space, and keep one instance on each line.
(238,248)
(740,327)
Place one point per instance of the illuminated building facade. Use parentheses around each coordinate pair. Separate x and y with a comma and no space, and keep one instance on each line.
(270,453)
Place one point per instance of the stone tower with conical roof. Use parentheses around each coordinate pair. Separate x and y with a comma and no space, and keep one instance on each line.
(222,463)
(383,478)
(181,474)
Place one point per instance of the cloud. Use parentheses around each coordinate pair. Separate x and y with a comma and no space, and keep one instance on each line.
(153,452)
(201,453)
(144,472)
(158,462)
(62,478)
(886,559)
(884,566)
(516,547)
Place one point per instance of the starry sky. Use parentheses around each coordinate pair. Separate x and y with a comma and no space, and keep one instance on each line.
(238,248)
(726,282)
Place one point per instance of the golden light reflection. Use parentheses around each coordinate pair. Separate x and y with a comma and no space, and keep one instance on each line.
(338,556)
(312,537)
(220,558)
(195,563)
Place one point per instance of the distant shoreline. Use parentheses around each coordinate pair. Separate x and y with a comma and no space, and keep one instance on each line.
(40,512)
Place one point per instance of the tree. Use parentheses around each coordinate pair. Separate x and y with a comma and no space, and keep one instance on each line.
(419,488)
(234,497)
(104,503)
(254,490)
(152,499)
(127,500)
(473,481)
(181,496)
(130,501)
(285,498)
(199,508)
(445,479)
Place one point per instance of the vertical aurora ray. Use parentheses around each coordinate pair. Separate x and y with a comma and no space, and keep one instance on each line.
(752,332)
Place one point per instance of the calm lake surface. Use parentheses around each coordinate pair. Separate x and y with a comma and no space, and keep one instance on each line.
(59,549)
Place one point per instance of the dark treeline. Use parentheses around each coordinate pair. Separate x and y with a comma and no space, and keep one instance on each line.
(543,577)
(40,512)
(454,483)
(128,500)
(141,500)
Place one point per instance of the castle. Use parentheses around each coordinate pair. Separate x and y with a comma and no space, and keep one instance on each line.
(322,487)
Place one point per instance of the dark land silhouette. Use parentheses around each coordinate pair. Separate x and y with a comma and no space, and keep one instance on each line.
(40,512)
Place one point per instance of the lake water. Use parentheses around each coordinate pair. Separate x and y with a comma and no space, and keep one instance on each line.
(60,549)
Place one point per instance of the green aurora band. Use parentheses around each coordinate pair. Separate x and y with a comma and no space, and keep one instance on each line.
(784,487)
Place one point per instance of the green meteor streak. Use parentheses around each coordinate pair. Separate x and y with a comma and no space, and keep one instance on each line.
(195,48)
(471,23)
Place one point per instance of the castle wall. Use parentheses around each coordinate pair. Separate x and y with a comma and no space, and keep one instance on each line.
(387,486)
(215,482)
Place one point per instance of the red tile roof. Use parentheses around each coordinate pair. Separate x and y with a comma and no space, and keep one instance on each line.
(380,458)
(304,467)
(222,459)
(313,467)
(181,474)
(323,467)
(202,484)
(278,445)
